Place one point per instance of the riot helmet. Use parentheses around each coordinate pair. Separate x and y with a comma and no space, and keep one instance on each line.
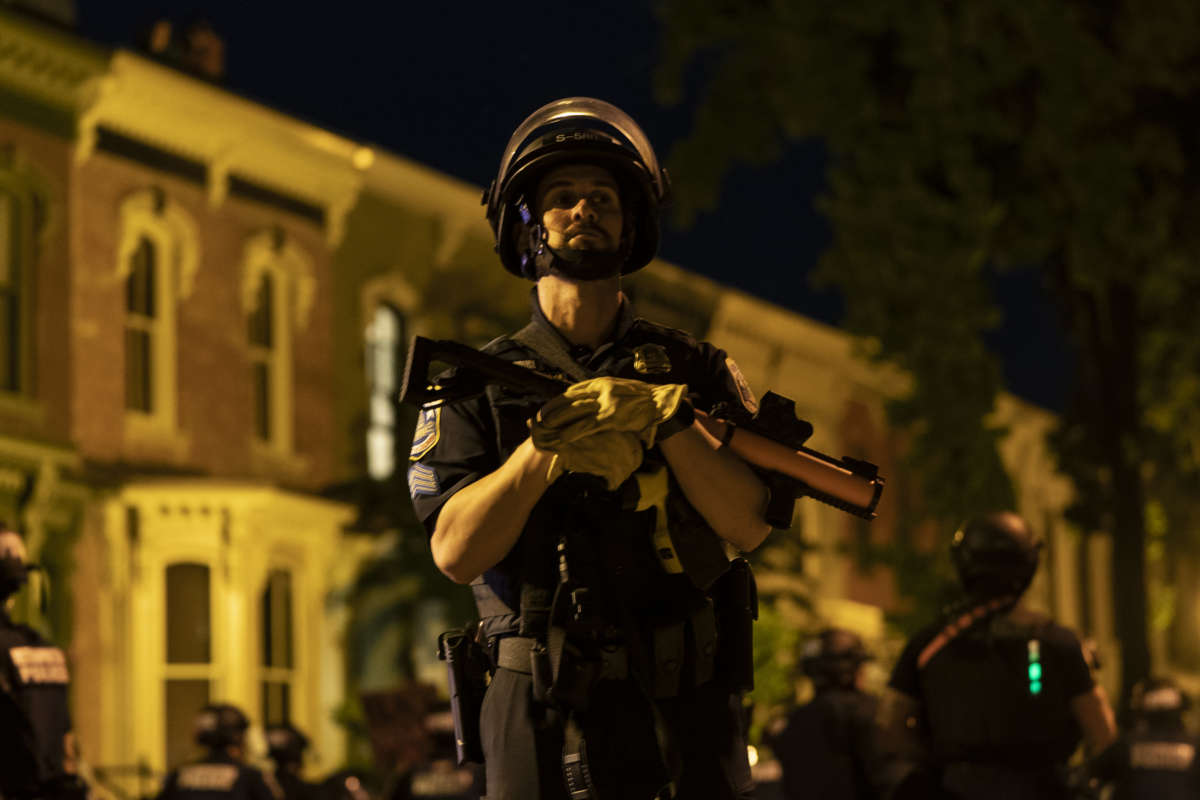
(220,725)
(832,659)
(567,131)
(285,744)
(1158,702)
(995,555)
(14,571)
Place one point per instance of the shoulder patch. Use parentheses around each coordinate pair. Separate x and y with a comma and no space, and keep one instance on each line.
(651,359)
(40,665)
(208,777)
(422,481)
(427,433)
(745,393)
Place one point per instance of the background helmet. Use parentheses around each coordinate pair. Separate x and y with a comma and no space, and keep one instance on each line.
(220,725)
(286,743)
(995,554)
(14,570)
(1158,701)
(833,658)
(584,130)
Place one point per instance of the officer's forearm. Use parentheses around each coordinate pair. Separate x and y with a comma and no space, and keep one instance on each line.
(721,487)
(1096,720)
(479,524)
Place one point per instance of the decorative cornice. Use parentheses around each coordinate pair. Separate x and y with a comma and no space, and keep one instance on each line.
(47,65)
(229,134)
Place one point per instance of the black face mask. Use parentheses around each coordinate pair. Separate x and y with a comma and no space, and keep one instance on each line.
(13,574)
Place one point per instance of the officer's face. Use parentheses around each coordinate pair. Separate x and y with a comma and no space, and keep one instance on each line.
(581,209)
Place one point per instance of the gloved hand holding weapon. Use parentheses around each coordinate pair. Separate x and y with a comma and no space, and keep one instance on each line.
(601,425)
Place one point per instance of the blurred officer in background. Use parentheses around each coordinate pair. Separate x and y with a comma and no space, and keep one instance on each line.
(1157,758)
(991,701)
(285,747)
(37,749)
(825,746)
(221,774)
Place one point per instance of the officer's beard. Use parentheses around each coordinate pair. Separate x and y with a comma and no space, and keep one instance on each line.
(582,265)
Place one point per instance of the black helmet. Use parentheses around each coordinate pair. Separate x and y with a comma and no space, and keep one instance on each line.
(219,725)
(286,743)
(995,555)
(575,129)
(1158,700)
(833,657)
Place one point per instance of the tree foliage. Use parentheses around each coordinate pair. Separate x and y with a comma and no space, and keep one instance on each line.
(966,139)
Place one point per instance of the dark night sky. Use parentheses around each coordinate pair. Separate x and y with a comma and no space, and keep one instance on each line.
(446,84)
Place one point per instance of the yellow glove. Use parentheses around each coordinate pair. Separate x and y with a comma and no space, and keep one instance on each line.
(606,404)
(613,455)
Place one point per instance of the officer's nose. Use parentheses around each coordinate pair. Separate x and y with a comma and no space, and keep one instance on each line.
(583,210)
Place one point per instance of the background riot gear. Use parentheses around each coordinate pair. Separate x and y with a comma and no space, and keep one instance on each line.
(833,658)
(285,744)
(220,725)
(1159,703)
(995,555)
(575,130)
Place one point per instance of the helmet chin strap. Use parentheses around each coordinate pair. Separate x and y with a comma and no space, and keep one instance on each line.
(539,259)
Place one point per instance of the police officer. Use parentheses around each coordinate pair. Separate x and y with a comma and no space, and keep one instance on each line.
(616,673)
(221,773)
(826,746)
(991,701)
(285,747)
(1157,758)
(37,757)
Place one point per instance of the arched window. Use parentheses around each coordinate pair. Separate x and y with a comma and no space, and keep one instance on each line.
(278,287)
(277,661)
(189,667)
(158,255)
(263,354)
(141,323)
(385,336)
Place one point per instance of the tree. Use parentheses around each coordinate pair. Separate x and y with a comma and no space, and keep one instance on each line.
(965,139)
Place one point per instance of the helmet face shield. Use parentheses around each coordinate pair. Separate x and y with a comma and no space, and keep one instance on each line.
(575,130)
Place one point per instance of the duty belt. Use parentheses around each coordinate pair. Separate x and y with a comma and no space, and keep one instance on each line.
(513,653)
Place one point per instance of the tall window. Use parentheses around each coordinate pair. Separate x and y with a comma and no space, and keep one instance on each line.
(385,336)
(189,654)
(140,316)
(277,658)
(10,294)
(262,354)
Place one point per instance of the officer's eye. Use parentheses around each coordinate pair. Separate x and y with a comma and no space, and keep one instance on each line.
(562,199)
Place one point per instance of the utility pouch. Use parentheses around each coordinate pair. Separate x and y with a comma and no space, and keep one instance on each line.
(735,597)
(574,679)
(467,670)
(541,673)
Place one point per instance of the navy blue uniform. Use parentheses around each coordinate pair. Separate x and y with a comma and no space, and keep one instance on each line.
(826,747)
(991,735)
(459,444)
(33,713)
(217,777)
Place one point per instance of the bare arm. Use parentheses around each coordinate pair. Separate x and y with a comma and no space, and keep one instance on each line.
(479,524)
(719,485)
(1096,719)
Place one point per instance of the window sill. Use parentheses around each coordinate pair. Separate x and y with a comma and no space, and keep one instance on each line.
(268,459)
(22,407)
(151,436)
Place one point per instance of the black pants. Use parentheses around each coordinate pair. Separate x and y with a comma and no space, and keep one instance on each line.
(523,743)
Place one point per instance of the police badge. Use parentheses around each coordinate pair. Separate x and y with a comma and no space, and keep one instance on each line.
(651,359)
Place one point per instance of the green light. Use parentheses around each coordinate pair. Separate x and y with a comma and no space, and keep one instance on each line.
(1035,687)
(1035,672)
